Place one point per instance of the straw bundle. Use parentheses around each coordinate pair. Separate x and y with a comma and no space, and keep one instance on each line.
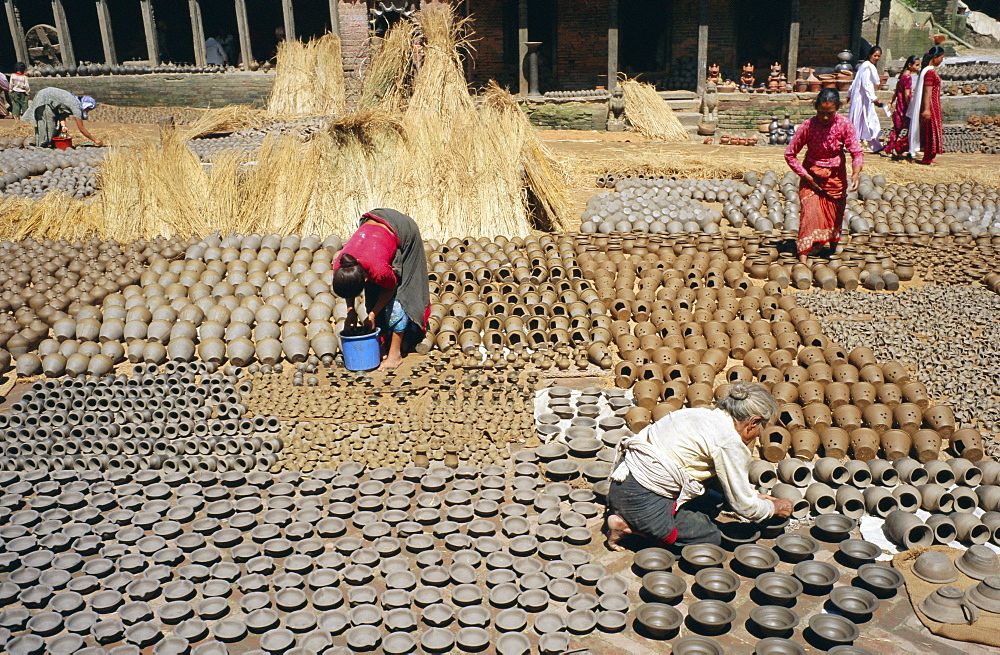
(650,115)
(224,119)
(308,78)
(439,84)
(390,71)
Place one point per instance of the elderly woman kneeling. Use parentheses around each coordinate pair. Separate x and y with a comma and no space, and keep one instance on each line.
(656,486)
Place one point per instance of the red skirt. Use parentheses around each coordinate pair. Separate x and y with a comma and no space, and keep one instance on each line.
(821,218)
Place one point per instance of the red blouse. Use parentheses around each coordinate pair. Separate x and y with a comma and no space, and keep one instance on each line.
(825,145)
(374,246)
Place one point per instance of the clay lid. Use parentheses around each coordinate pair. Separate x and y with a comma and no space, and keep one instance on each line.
(935,567)
(948,605)
(986,594)
(978,562)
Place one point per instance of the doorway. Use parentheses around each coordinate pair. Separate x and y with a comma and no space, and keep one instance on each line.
(643,38)
(762,35)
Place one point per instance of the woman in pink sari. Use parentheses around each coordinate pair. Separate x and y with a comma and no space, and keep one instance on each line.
(823,184)
(898,144)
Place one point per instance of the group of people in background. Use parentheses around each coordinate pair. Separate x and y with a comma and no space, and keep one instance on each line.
(917,125)
(15,91)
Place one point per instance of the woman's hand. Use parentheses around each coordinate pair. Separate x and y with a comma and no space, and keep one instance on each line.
(351,320)
(926,114)
(370,321)
(855,181)
(811,183)
(782,507)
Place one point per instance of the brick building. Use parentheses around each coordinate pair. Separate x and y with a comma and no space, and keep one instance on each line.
(582,42)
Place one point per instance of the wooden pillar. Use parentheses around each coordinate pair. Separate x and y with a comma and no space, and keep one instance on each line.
(149,26)
(243,25)
(857,18)
(289,14)
(882,36)
(612,44)
(794,24)
(522,45)
(62,27)
(107,37)
(16,31)
(197,33)
(702,45)
(335,17)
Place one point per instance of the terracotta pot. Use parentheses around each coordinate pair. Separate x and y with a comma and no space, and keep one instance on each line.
(895,444)
(916,393)
(762,474)
(878,417)
(805,443)
(907,417)
(790,417)
(941,419)
(864,444)
(862,394)
(637,418)
(847,417)
(775,442)
(968,443)
(926,444)
(835,442)
(817,416)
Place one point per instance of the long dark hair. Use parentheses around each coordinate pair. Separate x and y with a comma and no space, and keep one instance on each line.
(349,278)
(933,53)
(827,95)
(909,61)
(872,51)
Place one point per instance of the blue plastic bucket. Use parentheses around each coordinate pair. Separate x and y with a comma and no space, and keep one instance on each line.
(362,353)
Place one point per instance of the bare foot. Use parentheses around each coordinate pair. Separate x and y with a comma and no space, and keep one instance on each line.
(617,528)
(390,363)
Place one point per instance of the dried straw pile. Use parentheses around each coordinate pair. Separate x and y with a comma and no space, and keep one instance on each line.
(308,79)
(650,114)
(224,119)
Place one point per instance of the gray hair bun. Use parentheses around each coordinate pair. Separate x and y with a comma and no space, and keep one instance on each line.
(739,391)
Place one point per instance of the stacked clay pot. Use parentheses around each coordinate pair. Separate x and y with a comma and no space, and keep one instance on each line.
(180,418)
(47,283)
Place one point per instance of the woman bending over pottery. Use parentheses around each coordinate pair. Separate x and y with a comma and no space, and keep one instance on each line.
(657,484)
(823,184)
(385,259)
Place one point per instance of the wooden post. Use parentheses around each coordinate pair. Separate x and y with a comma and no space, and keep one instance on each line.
(522,47)
(288,11)
(243,25)
(107,37)
(612,45)
(702,45)
(149,25)
(794,24)
(16,31)
(857,18)
(62,27)
(197,33)
(335,17)
(882,36)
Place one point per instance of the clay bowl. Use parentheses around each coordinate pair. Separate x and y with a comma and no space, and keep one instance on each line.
(795,548)
(778,589)
(658,620)
(472,639)
(652,559)
(773,621)
(828,630)
(663,587)
(717,584)
(551,451)
(853,603)
(398,643)
(935,567)
(773,527)
(474,616)
(611,621)
(584,447)
(881,580)
(437,640)
(833,527)
(816,577)
(513,643)
(778,646)
(695,645)
(562,469)
(735,534)
(700,556)
(751,560)
(710,617)
(857,552)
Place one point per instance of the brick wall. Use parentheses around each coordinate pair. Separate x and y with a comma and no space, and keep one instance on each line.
(203,90)
(582,44)
(487,60)
(825,31)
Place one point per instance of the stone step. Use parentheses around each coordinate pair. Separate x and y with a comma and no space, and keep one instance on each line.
(688,118)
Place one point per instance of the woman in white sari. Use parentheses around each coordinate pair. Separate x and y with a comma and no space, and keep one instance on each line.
(864,100)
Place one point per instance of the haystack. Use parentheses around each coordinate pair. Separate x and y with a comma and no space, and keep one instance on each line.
(650,114)
(389,74)
(308,79)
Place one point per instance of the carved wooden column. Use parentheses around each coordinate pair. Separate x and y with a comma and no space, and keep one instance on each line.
(197,33)
(522,47)
(612,44)
(243,25)
(288,11)
(107,36)
(794,25)
(62,27)
(149,26)
(16,31)
(702,45)
(335,17)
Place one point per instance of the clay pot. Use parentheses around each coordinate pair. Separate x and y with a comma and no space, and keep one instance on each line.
(850,502)
(879,502)
(968,443)
(821,498)
(805,443)
(948,605)
(864,443)
(794,472)
(800,506)
(830,471)
(935,498)
(907,530)
(775,442)
(835,442)
(883,473)
(895,444)
(926,444)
